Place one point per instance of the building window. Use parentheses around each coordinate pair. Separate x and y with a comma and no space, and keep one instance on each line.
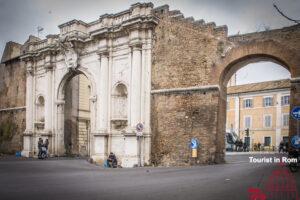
(248,103)
(267,141)
(285,100)
(268,101)
(247,122)
(285,119)
(267,121)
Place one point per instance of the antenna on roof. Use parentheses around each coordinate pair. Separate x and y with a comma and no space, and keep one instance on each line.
(39,30)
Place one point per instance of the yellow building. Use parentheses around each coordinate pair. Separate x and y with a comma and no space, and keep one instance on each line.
(261,107)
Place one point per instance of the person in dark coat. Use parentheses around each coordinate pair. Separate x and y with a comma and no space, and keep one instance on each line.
(112,160)
(40,145)
(46,144)
(258,146)
(281,147)
(286,146)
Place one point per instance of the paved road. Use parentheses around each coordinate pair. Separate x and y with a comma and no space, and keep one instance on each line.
(77,179)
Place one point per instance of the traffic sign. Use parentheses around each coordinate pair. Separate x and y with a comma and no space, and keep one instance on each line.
(296,141)
(139,127)
(296,113)
(194,143)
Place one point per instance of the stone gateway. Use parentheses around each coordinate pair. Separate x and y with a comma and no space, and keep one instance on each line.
(143,65)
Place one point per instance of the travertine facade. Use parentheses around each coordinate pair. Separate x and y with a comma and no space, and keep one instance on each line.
(114,54)
(142,54)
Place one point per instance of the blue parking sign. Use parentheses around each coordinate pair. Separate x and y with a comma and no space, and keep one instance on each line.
(296,113)
(194,143)
(296,142)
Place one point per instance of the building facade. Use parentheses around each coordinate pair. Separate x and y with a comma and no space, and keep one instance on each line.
(263,108)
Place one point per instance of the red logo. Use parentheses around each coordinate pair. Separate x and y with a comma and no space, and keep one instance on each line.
(280,185)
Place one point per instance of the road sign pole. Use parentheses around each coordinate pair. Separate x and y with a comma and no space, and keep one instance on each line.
(298,128)
(139,151)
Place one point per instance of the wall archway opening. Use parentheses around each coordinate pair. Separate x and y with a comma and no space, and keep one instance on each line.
(77,115)
(255,95)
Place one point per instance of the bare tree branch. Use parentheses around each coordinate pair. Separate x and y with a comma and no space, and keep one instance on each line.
(281,13)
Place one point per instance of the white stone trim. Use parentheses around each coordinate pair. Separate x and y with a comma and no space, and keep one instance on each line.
(197,88)
(296,79)
(260,93)
(13,108)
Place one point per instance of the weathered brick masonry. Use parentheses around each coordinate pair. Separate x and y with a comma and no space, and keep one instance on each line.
(182,57)
(12,103)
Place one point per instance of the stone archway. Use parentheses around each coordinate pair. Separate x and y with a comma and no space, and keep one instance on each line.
(245,53)
(61,114)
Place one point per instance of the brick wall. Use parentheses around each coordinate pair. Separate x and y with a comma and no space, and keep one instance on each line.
(12,94)
(183,54)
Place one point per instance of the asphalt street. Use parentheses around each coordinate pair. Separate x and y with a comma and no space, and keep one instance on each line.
(77,179)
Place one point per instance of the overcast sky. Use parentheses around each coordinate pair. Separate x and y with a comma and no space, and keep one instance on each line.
(20,18)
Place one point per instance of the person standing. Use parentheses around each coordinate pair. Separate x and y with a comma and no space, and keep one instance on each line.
(46,145)
(40,145)
(281,146)
(258,146)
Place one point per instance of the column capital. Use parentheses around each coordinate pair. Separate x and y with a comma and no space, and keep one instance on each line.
(29,71)
(103,51)
(136,44)
(49,66)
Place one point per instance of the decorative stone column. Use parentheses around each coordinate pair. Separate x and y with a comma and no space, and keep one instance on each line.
(135,94)
(100,135)
(102,104)
(27,137)
(48,96)
(58,140)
